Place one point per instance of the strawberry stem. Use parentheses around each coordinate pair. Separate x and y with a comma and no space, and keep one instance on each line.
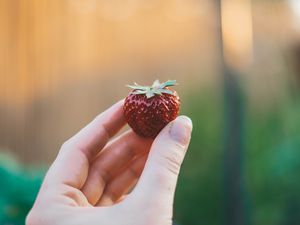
(157,88)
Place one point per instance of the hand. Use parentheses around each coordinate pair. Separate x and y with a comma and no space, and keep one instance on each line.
(89,180)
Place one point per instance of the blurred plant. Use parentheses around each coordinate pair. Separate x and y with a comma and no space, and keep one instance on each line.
(272,161)
(18,189)
(199,193)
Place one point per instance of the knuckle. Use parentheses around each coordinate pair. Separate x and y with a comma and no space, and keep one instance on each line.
(76,195)
(32,218)
(134,173)
(174,160)
(104,132)
(112,195)
(65,145)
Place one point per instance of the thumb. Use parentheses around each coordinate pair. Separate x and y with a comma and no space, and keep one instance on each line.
(159,178)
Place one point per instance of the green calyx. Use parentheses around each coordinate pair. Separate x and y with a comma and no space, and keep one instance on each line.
(157,88)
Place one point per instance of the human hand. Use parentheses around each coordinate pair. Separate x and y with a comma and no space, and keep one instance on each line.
(88,181)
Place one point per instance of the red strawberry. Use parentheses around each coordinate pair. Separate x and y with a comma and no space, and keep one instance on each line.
(148,109)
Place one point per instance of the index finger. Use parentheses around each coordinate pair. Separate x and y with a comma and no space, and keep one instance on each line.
(92,138)
(72,162)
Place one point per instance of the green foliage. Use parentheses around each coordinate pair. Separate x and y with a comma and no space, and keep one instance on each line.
(199,192)
(272,163)
(18,188)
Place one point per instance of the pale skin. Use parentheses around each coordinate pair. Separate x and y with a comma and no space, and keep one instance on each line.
(129,180)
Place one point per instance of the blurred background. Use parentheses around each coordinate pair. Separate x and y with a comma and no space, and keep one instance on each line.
(238,65)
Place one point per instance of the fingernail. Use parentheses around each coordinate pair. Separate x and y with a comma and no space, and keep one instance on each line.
(181,130)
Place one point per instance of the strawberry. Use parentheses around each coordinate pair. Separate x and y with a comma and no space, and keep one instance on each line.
(148,109)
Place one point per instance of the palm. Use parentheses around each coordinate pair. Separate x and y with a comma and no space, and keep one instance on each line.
(116,169)
(112,173)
